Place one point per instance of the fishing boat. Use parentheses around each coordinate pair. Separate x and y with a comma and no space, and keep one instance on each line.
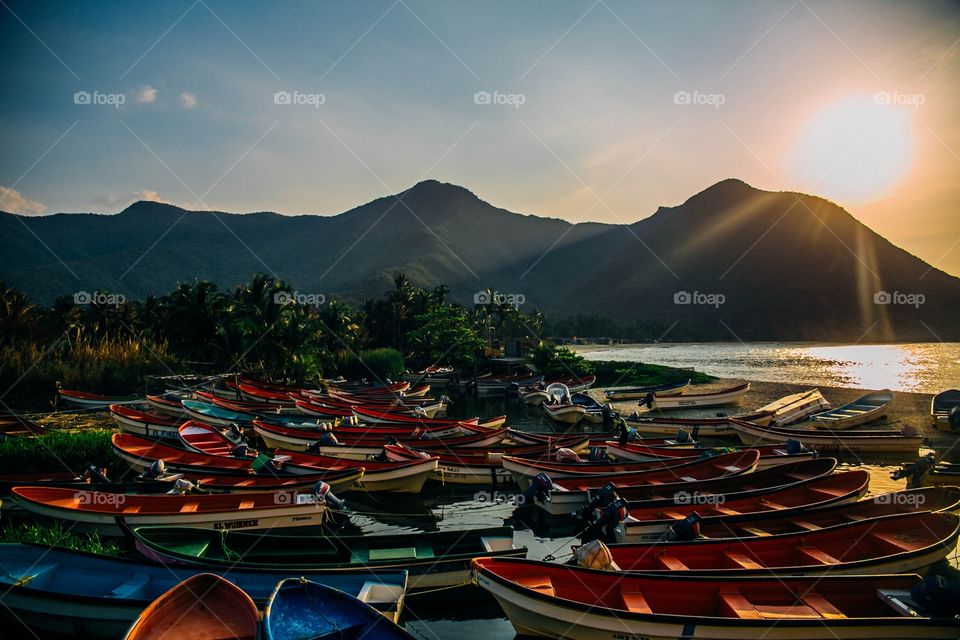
(376,417)
(770,455)
(338,481)
(13,426)
(212,414)
(596,438)
(735,517)
(695,427)
(826,442)
(95,400)
(500,385)
(546,599)
(907,543)
(434,374)
(773,522)
(868,408)
(83,595)
(205,438)
(941,406)
(789,409)
(638,393)
(573,494)
(632,473)
(94,511)
(145,424)
(78,482)
(301,609)
(140,454)
(535,394)
(436,559)
(226,612)
(169,403)
(722,398)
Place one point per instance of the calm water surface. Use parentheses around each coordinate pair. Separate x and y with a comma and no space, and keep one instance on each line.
(919,367)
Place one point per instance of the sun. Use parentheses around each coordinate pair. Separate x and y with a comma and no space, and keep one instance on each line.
(855,149)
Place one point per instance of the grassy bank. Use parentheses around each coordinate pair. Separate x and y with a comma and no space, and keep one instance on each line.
(55,535)
(631,374)
(61,451)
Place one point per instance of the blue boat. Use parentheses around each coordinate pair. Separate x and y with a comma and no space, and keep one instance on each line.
(212,414)
(76,594)
(301,609)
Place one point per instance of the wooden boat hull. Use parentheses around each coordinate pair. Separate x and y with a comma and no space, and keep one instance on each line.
(940,407)
(830,443)
(432,560)
(537,612)
(639,393)
(565,414)
(95,401)
(861,411)
(708,428)
(724,398)
(98,597)
(769,456)
(143,424)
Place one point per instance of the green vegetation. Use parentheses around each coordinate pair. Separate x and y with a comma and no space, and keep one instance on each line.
(628,374)
(54,535)
(62,451)
(554,361)
(376,364)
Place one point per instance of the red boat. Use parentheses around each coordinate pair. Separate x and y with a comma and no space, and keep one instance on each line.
(146,424)
(770,456)
(383,417)
(300,438)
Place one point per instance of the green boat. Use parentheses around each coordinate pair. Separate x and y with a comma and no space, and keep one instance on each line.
(436,559)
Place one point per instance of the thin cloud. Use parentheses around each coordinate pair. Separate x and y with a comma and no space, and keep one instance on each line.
(13,201)
(146,95)
(188,100)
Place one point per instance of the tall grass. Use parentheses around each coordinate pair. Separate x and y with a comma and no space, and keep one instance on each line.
(61,451)
(54,535)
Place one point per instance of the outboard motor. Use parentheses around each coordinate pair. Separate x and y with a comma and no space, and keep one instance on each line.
(539,489)
(938,596)
(513,390)
(419,412)
(605,522)
(326,496)
(606,412)
(328,439)
(682,436)
(954,418)
(419,434)
(915,471)
(795,446)
(597,454)
(241,450)
(647,401)
(603,497)
(181,487)
(156,470)
(92,474)
(685,530)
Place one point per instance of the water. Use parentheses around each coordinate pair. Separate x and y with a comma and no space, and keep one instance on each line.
(470,613)
(928,367)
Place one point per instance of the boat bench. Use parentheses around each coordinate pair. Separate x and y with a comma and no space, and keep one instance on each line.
(885,541)
(743,561)
(815,554)
(635,601)
(670,562)
(812,606)
(540,584)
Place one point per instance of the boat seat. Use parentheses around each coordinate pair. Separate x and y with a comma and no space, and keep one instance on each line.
(688,479)
(803,524)
(772,505)
(392,554)
(822,606)
(134,508)
(889,542)
(670,562)
(246,504)
(540,584)
(130,587)
(673,515)
(735,605)
(817,555)
(724,511)
(742,560)
(189,507)
(635,602)
(760,533)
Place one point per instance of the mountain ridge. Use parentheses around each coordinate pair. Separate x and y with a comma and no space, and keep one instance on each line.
(790,266)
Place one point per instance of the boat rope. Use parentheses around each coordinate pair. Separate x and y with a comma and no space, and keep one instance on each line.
(550,557)
(373,514)
(465,583)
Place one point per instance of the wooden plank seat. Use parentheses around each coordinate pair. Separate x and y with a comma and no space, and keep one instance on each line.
(822,606)
(735,605)
(815,554)
(894,545)
(189,507)
(742,560)
(540,584)
(670,562)
(803,524)
(635,602)
(133,508)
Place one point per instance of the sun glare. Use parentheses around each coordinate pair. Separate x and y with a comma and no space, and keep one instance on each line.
(855,149)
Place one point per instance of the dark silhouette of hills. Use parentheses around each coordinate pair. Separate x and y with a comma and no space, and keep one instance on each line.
(789,266)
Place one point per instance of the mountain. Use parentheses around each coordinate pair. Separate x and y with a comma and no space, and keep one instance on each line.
(750,264)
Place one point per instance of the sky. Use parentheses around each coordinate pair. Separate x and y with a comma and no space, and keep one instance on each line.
(593,110)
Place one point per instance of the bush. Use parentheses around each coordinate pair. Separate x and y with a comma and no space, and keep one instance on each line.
(62,451)
(54,535)
(375,365)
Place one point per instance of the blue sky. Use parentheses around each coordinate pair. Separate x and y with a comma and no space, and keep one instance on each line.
(589,125)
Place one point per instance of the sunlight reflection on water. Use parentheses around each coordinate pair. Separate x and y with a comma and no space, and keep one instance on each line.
(918,367)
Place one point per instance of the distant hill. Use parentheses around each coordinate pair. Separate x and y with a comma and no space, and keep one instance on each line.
(788,266)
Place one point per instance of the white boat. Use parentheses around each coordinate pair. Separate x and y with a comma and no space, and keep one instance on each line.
(832,442)
(861,411)
(793,408)
(941,406)
(722,398)
(639,393)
